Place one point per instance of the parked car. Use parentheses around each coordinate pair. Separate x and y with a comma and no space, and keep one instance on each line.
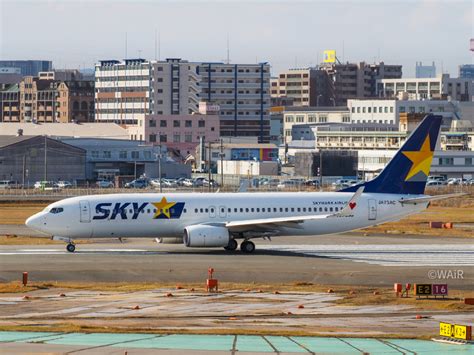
(312,182)
(46,185)
(435,183)
(288,183)
(64,184)
(104,184)
(137,184)
(9,184)
(198,182)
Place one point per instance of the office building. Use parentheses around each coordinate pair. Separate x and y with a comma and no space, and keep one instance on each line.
(242,92)
(310,115)
(466,71)
(440,88)
(425,71)
(181,133)
(28,67)
(388,111)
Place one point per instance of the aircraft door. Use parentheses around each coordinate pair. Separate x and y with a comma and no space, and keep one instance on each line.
(85,212)
(222,212)
(372,210)
(212,211)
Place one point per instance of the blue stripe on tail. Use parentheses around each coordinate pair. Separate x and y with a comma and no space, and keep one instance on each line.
(408,170)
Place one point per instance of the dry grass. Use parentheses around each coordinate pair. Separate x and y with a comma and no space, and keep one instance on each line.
(351,295)
(17,240)
(18,213)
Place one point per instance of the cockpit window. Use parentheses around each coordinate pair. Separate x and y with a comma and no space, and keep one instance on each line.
(56,210)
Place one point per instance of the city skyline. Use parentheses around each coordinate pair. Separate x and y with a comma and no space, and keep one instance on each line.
(286,34)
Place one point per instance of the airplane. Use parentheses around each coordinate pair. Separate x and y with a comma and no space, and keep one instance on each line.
(207,220)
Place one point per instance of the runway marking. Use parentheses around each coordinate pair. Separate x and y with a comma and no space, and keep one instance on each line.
(83,251)
(388,255)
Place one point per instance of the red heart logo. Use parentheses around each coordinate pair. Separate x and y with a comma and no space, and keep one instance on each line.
(352,205)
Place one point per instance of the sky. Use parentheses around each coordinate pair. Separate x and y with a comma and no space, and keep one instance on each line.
(287,34)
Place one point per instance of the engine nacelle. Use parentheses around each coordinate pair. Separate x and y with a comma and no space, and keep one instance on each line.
(206,236)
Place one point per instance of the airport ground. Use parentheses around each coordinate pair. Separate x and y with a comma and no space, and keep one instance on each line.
(281,289)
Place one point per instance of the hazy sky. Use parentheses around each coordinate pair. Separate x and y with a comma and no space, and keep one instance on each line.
(284,33)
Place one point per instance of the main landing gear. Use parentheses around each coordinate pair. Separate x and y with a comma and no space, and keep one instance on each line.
(232,245)
(71,247)
(246,246)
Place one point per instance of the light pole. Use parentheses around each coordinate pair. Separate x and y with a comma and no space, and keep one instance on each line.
(159,170)
(222,163)
(317,99)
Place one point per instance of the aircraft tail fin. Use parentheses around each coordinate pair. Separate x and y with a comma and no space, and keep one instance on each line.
(408,170)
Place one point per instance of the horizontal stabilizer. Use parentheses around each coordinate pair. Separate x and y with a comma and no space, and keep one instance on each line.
(424,199)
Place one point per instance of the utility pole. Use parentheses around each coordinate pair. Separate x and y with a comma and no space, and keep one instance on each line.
(45,158)
(24,171)
(209,166)
(222,163)
(320,168)
(159,170)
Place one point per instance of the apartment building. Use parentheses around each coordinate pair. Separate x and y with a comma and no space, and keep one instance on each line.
(440,88)
(466,71)
(304,87)
(122,91)
(242,92)
(310,115)
(44,99)
(356,80)
(175,87)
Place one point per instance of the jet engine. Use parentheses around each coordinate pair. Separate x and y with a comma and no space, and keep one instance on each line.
(206,236)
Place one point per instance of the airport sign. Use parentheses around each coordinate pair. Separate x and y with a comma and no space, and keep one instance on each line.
(463,332)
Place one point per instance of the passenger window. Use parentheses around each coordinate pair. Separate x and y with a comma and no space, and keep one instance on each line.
(320,209)
(252,209)
(263,209)
(143,211)
(325,209)
(207,210)
(241,210)
(154,210)
(330,209)
(304,209)
(281,209)
(246,210)
(201,210)
(286,209)
(235,210)
(195,210)
(130,211)
(292,209)
(336,209)
(212,210)
(223,210)
(184,210)
(299,209)
(258,210)
(274,209)
(148,211)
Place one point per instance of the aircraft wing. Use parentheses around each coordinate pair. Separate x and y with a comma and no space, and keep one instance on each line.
(424,199)
(292,222)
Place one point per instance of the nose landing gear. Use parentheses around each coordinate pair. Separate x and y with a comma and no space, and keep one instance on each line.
(71,247)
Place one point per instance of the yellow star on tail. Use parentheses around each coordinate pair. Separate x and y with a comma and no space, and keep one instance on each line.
(421,159)
(163,207)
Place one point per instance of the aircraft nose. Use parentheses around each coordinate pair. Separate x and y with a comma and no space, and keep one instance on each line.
(34,222)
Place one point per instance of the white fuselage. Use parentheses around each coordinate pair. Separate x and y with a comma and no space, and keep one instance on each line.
(142,215)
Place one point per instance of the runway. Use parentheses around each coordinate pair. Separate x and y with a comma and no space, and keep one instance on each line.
(338,259)
(386,255)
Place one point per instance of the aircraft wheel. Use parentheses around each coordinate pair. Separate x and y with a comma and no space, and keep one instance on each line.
(71,248)
(247,247)
(232,245)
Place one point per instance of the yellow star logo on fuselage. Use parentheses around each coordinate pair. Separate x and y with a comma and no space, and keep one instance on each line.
(163,208)
(421,160)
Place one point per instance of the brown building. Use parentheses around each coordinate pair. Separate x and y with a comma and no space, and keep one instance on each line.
(356,80)
(47,100)
(75,101)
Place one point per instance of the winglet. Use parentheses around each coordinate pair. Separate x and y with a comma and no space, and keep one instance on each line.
(349,208)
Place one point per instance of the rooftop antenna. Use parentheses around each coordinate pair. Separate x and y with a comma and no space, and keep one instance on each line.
(159,45)
(139,54)
(228,55)
(156,45)
(343,51)
(125,45)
